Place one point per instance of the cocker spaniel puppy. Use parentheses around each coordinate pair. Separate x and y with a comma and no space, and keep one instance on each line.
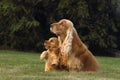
(51,55)
(72,48)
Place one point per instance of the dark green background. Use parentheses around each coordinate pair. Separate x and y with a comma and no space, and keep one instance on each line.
(24,24)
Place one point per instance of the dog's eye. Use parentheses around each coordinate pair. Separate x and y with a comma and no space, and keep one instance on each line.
(51,41)
(61,24)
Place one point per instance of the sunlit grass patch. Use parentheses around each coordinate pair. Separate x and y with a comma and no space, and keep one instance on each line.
(16,65)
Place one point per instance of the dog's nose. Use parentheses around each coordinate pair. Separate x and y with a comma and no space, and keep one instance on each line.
(51,26)
(51,29)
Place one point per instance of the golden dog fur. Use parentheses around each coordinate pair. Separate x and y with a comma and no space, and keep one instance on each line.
(73,49)
(51,55)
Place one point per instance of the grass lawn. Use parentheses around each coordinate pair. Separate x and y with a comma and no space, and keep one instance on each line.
(16,65)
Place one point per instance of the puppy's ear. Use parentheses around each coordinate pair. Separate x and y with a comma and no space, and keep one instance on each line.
(57,52)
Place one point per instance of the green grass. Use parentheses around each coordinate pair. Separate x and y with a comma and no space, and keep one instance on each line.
(16,65)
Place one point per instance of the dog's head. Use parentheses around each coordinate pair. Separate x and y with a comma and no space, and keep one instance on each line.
(61,27)
(51,43)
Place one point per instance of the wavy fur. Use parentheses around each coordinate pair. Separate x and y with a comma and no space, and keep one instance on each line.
(73,49)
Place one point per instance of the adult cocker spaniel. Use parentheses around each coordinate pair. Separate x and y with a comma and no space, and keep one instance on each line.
(77,56)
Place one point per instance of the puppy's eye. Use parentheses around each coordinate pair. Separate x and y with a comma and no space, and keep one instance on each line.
(51,41)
